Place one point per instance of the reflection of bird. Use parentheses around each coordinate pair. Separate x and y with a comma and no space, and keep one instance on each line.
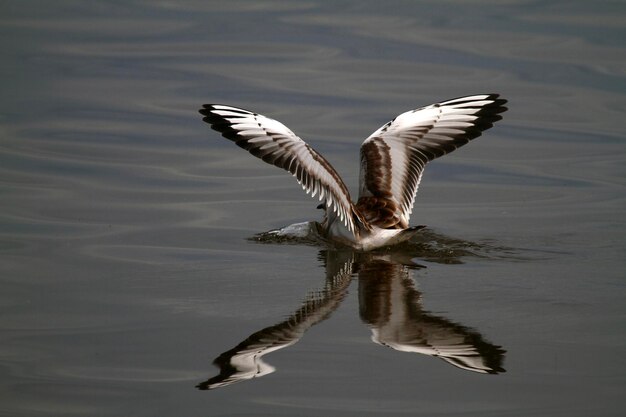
(392,162)
(244,361)
(388,302)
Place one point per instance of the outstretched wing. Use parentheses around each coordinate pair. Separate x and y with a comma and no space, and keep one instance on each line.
(274,143)
(393,158)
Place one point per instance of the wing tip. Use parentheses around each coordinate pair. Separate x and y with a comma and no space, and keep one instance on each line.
(221,123)
(206,109)
(494,98)
(498,104)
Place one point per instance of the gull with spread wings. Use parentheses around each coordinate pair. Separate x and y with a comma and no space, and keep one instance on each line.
(392,162)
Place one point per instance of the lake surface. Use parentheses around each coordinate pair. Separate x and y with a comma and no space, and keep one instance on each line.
(130,279)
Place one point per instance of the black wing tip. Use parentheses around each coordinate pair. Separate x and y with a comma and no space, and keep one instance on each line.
(206,109)
(219,123)
(498,103)
(490,113)
(222,126)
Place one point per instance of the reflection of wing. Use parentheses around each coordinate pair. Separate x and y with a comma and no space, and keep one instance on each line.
(390,304)
(244,361)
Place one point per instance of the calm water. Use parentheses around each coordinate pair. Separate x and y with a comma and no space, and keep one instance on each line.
(128,279)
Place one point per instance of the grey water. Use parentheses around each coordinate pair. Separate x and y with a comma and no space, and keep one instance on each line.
(135,278)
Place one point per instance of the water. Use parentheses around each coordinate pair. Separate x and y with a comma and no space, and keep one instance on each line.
(128,258)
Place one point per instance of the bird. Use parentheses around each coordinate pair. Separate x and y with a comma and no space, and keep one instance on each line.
(392,161)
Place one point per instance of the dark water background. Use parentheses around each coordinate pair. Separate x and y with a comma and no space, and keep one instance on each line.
(126,267)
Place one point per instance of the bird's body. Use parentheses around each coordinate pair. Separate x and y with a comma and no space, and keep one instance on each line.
(392,162)
(372,238)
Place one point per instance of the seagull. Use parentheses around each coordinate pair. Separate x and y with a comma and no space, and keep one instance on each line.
(392,163)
